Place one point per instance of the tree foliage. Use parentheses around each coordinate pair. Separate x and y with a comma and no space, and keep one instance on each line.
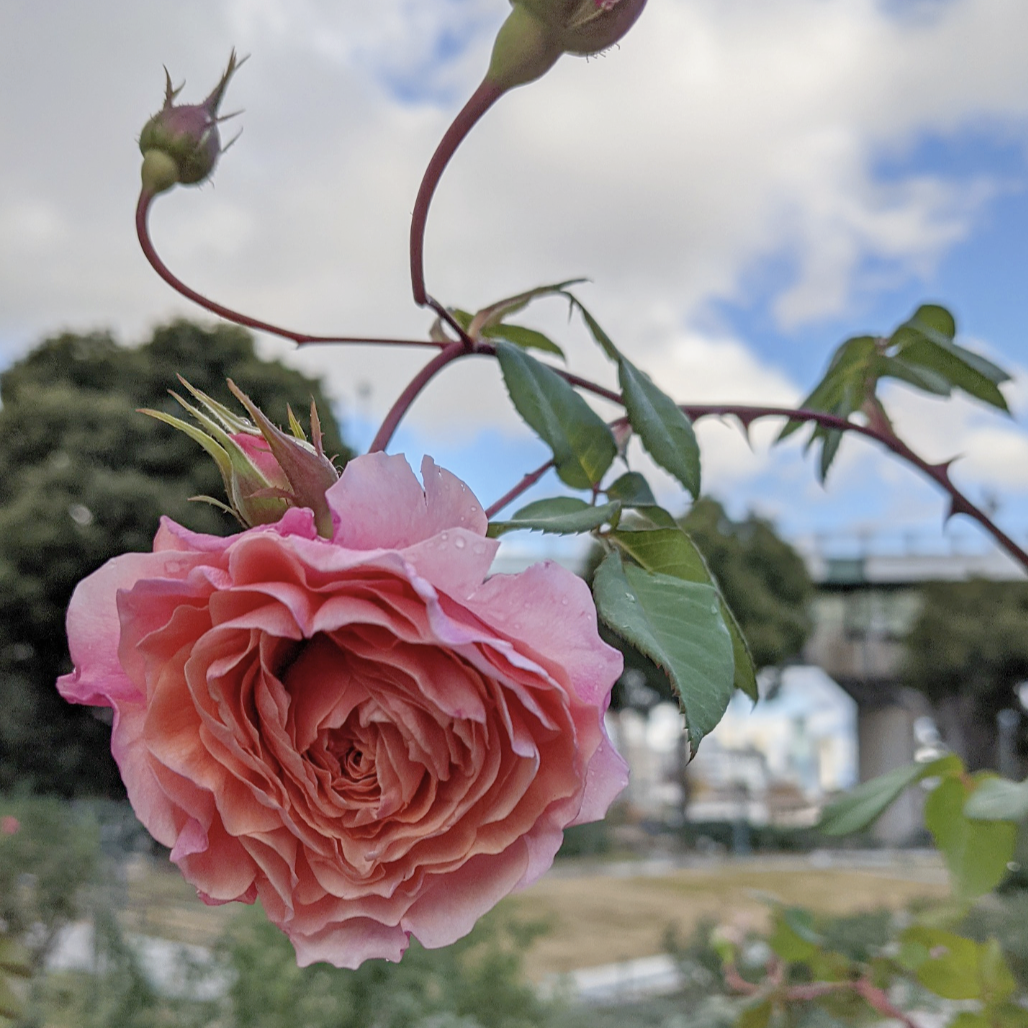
(762,577)
(83,478)
(966,652)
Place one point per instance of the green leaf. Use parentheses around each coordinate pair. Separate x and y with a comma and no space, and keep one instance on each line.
(843,389)
(562,515)
(670,551)
(745,672)
(863,805)
(496,312)
(951,361)
(10,1005)
(976,853)
(966,1019)
(943,961)
(678,625)
(664,430)
(601,337)
(526,338)
(632,490)
(994,972)
(14,958)
(997,799)
(667,551)
(829,448)
(793,937)
(756,1016)
(920,377)
(930,317)
(583,446)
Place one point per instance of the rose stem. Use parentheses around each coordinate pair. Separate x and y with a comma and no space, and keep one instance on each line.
(481,100)
(301,338)
(527,482)
(938,473)
(866,990)
(452,352)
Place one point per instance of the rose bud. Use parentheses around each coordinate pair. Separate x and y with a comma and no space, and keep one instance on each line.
(368,732)
(181,143)
(537,32)
(265,471)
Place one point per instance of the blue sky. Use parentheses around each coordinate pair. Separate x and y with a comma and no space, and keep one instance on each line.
(746,184)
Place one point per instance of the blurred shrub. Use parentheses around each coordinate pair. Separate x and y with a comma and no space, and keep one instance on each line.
(476,983)
(590,840)
(44,865)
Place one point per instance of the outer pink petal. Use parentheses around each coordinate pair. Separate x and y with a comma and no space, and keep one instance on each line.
(381,505)
(450,503)
(94,631)
(349,943)
(379,502)
(455,561)
(448,905)
(551,611)
(158,814)
(605,777)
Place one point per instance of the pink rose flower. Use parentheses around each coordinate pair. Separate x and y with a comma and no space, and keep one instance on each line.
(362,732)
(9,825)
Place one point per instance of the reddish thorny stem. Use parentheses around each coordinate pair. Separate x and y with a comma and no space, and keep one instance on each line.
(481,101)
(772,988)
(300,338)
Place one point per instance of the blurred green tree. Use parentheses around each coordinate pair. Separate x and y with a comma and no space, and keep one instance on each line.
(967,652)
(84,477)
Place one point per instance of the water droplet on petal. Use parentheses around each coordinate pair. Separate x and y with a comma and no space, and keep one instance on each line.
(459,542)
(473,509)
(563,601)
(444,536)
(478,549)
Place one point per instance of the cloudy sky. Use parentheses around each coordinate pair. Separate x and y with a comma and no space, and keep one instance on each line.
(745,183)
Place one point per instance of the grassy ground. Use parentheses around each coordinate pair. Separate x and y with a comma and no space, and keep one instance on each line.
(600,920)
(600,916)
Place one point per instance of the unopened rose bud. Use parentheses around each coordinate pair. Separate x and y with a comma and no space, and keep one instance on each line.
(265,470)
(9,825)
(181,143)
(537,32)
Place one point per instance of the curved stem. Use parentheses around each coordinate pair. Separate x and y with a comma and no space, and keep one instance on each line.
(481,100)
(938,473)
(300,338)
(526,483)
(451,353)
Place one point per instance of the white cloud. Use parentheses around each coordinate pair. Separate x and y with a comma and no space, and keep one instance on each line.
(720,133)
